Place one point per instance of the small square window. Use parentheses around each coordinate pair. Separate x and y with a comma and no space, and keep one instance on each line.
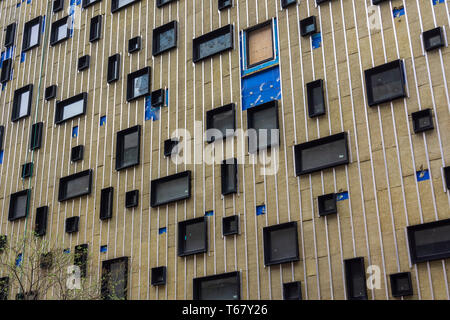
(6,70)
(22,103)
(192,236)
(229,176)
(27,170)
(96,28)
(3,242)
(80,258)
(433,39)
(132,199)
(263,119)
(88,3)
(58,5)
(138,84)
(422,120)
(2,134)
(117,5)
(114,279)
(170,147)
(46,260)
(84,62)
(224,4)
(128,148)
(225,286)
(4,288)
(36,136)
(280,243)
(308,26)
(164,38)
(170,189)
(50,92)
(10,35)
(19,205)
(159,276)
(220,122)
(401,284)
(447,176)
(230,225)
(287,3)
(72,224)
(160,3)
(77,153)
(212,43)
(106,203)
(292,291)
(134,44)
(40,224)
(70,108)
(260,44)
(158,98)
(327,204)
(113,68)
(355,277)
(60,31)
(75,185)
(316,102)
(32,34)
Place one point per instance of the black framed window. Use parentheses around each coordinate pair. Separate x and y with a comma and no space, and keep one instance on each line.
(2,134)
(76,154)
(287,3)
(40,224)
(72,224)
(87,3)
(263,119)
(385,83)
(280,243)
(158,98)
(36,135)
(32,34)
(259,44)
(159,275)
(316,101)
(114,279)
(327,204)
(160,3)
(308,26)
(138,84)
(422,120)
(170,147)
(58,5)
(96,28)
(19,205)
(171,188)
(60,31)
(320,154)
(75,185)
(132,199)
(50,92)
(106,203)
(323,1)
(225,286)
(429,241)
(117,5)
(355,279)
(22,103)
(84,62)
(128,147)
(46,260)
(224,4)
(292,290)
(113,68)
(27,170)
(192,236)
(5,76)
(401,284)
(165,38)
(10,35)
(212,43)
(71,108)
(220,122)
(4,288)
(229,168)
(374,2)
(433,39)
(81,257)
(447,176)
(230,225)
(134,44)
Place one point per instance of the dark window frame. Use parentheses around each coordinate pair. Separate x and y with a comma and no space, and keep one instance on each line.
(10,35)
(210,114)
(287,3)
(225,165)
(119,147)
(247,44)
(311,20)
(159,276)
(60,105)
(447,176)
(77,152)
(227,230)
(172,25)
(58,5)
(50,92)
(106,203)
(106,268)
(288,226)
(395,290)
(26,34)
(132,198)
(228,29)
(72,224)
(11,215)
(196,283)
(158,98)
(224,4)
(292,290)
(426,35)
(80,258)
(6,70)
(40,224)
(130,83)
(95,31)
(27,170)
(55,28)
(87,4)
(36,135)
(182,252)
(170,146)
(321,204)
(62,196)
(421,114)
(16,102)
(251,125)
(115,5)
(313,111)
(160,3)
(113,73)
(134,44)
(84,62)
(154,184)
(2,136)
(349,278)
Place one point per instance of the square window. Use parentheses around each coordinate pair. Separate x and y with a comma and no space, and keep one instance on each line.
(377,1)
(10,35)
(229,175)
(60,31)
(6,70)
(447,176)
(3,242)
(225,286)
(36,136)
(323,1)
(96,28)
(286,3)
(160,3)
(4,288)
(22,103)
(385,83)
(2,134)
(158,98)
(72,224)
(280,243)
(84,62)
(259,44)
(114,279)
(50,92)
(70,108)
(355,278)
(220,122)
(433,39)
(401,284)
(263,119)
(132,199)
(422,120)
(19,205)
(224,4)
(75,185)
(327,204)
(113,68)
(192,236)
(170,147)
(58,5)
(170,189)
(212,43)
(80,258)
(159,276)
(40,224)
(46,260)
(128,147)
(308,26)
(88,3)
(316,102)
(32,34)
(117,5)
(164,38)
(77,153)
(134,44)
(106,203)
(320,154)
(27,170)
(138,84)
(230,225)
(292,291)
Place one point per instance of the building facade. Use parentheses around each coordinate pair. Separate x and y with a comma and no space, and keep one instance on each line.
(105,106)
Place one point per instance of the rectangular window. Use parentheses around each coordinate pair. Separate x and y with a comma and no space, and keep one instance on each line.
(401,284)
(84,62)
(22,103)
(263,119)
(171,188)
(76,154)
(320,154)
(2,134)
(87,3)
(280,243)
(6,70)
(286,3)
(422,120)
(132,199)
(19,204)
(220,122)
(27,170)
(58,5)
(225,286)
(10,35)
(159,276)
(4,288)
(70,108)
(316,102)
(433,39)
(75,185)
(447,176)
(134,44)
(40,226)
(138,84)
(228,170)
(429,241)
(308,26)
(224,4)
(160,3)
(385,83)
(36,136)
(192,236)
(32,34)
(114,279)
(292,290)
(60,31)
(213,43)
(106,203)
(355,279)
(117,5)
(158,98)
(259,44)
(128,147)
(80,258)
(327,204)
(50,92)
(72,224)
(170,147)
(230,225)
(96,28)
(164,38)
(113,68)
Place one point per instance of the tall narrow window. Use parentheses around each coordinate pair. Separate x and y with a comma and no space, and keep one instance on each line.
(447,176)
(50,92)
(70,108)
(316,102)
(171,188)
(106,203)
(115,279)
(117,5)
(22,103)
(280,243)
(355,278)
(10,35)
(60,31)
(80,258)
(213,43)
(32,34)
(36,135)
(5,76)
(40,227)
(134,44)
(225,286)
(72,224)
(192,236)
(75,185)
(164,38)
(220,122)
(128,147)
(113,68)
(229,176)
(138,84)
(96,28)
(263,119)
(260,47)
(18,205)
(2,134)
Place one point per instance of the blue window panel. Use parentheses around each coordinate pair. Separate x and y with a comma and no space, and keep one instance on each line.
(209,213)
(342,196)
(162,230)
(150,112)
(104,248)
(260,210)
(22,57)
(423,175)
(66,251)
(167,96)
(1,156)
(316,40)
(102,121)
(19,260)
(398,12)
(75,132)
(435,2)
(261,87)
